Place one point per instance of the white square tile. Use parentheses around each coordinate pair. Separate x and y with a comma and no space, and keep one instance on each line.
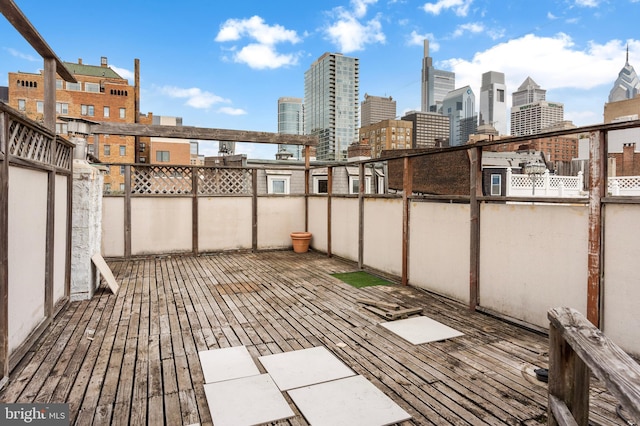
(304,367)
(227,363)
(421,329)
(352,401)
(246,401)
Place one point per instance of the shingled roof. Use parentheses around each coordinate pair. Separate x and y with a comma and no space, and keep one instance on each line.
(91,70)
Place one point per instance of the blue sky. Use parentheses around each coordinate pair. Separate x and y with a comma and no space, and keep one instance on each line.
(225,64)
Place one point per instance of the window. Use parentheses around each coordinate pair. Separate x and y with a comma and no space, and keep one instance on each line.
(22,105)
(107,150)
(496,185)
(73,86)
(123,113)
(122,187)
(162,156)
(278,186)
(123,150)
(92,87)
(500,95)
(320,185)
(39,107)
(122,170)
(61,128)
(105,111)
(107,188)
(59,84)
(62,108)
(87,110)
(278,181)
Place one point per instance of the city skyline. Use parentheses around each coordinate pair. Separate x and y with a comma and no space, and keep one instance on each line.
(225,65)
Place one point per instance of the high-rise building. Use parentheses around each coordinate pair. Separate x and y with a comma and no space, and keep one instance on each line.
(385,135)
(331,104)
(430,130)
(459,106)
(291,122)
(100,94)
(493,107)
(375,109)
(435,83)
(627,85)
(530,112)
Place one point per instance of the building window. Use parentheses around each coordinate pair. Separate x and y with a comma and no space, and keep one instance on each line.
(107,188)
(105,112)
(62,108)
(39,107)
(496,185)
(107,150)
(59,84)
(22,105)
(122,170)
(61,128)
(87,110)
(500,95)
(122,187)
(162,156)
(73,86)
(92,87)
(123,150)
(123,112)
(278,183)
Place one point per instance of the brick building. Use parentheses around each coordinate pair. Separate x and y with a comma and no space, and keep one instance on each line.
(627,163)
(387,134)
(99,95)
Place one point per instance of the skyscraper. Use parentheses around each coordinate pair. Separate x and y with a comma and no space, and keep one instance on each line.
(435,83)
(530,112)
(627,85)
(375,109)
(291,122)
(459,106)
(493,108)
(331,104)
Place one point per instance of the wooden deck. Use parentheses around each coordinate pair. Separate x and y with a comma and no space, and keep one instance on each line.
(133,358)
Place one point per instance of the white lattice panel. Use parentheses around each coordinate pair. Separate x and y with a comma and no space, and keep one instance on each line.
(161,180)
(28,143)
(224,181)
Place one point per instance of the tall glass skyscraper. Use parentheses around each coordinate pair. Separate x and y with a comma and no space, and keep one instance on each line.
(493,106)
(331,107)
(291,122)
(436,84)
(459,106)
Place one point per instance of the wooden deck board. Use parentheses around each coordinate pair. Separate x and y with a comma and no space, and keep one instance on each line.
(133,358)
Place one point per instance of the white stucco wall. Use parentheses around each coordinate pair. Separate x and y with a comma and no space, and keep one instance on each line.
(161,225)
(113,226)
(278,217)
(318,223)
(439,248)
(60,238)
(533,258)
(621,280)
(224,223)
(382,234)
(27,252)
(344,227)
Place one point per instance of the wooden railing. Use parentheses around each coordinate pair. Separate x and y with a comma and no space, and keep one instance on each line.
(577,348)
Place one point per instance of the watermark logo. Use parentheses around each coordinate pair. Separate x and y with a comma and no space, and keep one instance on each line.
(34,414)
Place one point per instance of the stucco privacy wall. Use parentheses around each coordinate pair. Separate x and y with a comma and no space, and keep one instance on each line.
(278,217)
(113,226)
(382,234)
(621,279)
(161,225)
(439,248)
(344,227)
(318,222)
(533,258)
(60,238)
(224,223)
(27,252)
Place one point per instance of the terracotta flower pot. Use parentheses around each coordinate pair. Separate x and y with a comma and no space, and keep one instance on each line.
(300,241)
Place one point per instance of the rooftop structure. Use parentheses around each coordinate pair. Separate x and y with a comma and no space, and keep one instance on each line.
(377,108)
(627,85)
(493,106)
(459,106)
(291,122)
(435,83)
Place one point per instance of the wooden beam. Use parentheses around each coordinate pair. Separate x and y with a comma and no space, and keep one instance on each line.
(475,174)
(361,216)
(127,211)
(4,248)
(194,211)
(50,96)
(200,133)
(20,22)
(407,190)
(254,210)
(597,189)
(329,197)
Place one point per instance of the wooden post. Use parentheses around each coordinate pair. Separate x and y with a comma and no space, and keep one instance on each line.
(361,216)
(475,175)
(307,154)
(4,249)
(407,190)
(254,210)
(50,95)
(127,211)
(597,189)
(194,210)
(329,197)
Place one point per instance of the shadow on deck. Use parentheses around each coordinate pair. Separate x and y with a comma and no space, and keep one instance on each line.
(133,358)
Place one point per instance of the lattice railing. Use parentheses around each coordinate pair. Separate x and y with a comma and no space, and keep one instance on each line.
(28,142)
(161,180)
(625,182)
(224,181)
(64,154)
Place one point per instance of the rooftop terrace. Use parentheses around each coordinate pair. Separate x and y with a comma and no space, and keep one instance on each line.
(133,358)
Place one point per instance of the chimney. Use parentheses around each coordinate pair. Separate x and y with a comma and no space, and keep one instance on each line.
(79,61)
(103,61)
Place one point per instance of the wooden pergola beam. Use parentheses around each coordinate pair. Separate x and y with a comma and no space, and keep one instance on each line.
(199,133)
(20,22)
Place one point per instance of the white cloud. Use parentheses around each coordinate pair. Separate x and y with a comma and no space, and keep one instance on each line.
(460,7)
(195,97)
(18,54)
(416,39)
(587,3)
(551,16)
(262,54)
(123,72)
(472,27)
(232,111)
(349,33)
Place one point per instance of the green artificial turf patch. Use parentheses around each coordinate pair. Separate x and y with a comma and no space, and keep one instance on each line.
(361,279)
